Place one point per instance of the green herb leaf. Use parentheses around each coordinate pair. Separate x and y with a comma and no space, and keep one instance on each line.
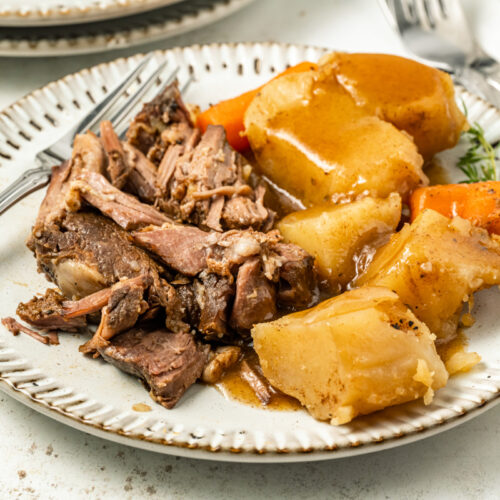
(479,161)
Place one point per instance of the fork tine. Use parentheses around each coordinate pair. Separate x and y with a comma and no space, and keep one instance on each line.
(62,148)
(120,119)
(135,96)
(100,110)
(399,13)
(189,81)
(443,7)
(423,15)
(438,11)
(408,10)
(49,157)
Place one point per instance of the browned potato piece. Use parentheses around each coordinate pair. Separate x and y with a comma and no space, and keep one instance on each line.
(310,138)
(434,265)
(335,235)
(414,97)
(354,354)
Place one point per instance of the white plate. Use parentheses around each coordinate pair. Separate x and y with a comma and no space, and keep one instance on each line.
(56,12)
(97,398)
(113,34)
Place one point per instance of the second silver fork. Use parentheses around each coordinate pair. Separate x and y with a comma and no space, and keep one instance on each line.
(437,32)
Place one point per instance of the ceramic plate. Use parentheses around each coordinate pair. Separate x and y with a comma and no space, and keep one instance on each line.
(55,12)
(97,398)
(127,31)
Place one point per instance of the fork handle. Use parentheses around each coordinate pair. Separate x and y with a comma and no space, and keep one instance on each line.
(29,181)
(492,74)
(484,81)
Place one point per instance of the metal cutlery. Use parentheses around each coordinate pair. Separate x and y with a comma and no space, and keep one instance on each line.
(36,178)
(437,32)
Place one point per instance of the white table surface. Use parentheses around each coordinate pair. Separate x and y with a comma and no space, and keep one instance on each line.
(41,458)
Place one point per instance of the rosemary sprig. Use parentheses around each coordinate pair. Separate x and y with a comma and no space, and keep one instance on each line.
(479,161)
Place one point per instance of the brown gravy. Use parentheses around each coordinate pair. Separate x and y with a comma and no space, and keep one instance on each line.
(437,173)
(233,387)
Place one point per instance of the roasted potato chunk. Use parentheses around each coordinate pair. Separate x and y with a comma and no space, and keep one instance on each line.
(413,97)
(434,265)
(310,138)
(354,354)
(335,235)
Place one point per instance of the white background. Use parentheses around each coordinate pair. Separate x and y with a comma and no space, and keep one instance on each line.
(41,458)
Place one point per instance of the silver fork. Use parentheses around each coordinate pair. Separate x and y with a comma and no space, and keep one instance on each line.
(36,178)
(437,32)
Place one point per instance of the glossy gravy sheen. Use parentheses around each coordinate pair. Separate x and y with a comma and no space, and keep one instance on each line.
(234,387)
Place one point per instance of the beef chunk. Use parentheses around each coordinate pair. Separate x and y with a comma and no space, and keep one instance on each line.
(190,250)
(168,362)
(124,209)
(48,312)
(219,361)
(52,311)
(297,278)
(190,307)
(88,154)
(213,295)
(163,122)
(124,307)
(233,248)
(242,212)
(87,252)
(255,299)
(183,248)
(165,171)
(207,186)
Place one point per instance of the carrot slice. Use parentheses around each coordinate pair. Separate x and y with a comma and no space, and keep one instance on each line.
(478,202)
(230,112)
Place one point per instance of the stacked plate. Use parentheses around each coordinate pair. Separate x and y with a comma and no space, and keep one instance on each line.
(64,27)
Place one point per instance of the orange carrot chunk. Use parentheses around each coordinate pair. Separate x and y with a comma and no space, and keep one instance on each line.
(478,202)
(230,112)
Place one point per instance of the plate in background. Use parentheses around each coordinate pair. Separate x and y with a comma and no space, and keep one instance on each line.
(114,34)
(23,13)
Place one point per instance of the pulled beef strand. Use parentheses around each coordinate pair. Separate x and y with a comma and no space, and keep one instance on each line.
(126,210)
(142,177)
(16,328)
(118,169)
(257,382)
